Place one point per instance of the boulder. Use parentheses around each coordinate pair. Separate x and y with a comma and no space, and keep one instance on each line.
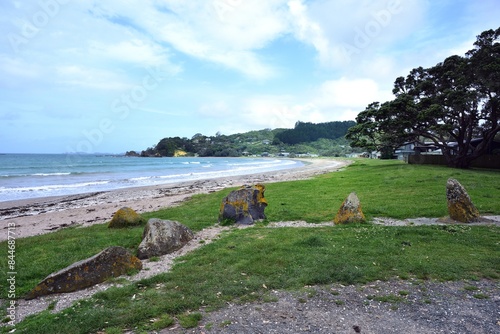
(460,206)
(126,217)
(111,262)
(350,211)
(161,237)
(244,206)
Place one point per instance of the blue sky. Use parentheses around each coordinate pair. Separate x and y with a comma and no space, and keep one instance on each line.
(111,76)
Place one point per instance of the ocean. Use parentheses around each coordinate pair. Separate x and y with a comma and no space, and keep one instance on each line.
(24,176)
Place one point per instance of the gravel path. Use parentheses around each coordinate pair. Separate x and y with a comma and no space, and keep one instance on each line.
(397,306)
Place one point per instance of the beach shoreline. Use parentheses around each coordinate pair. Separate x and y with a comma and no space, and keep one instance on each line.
(43,215)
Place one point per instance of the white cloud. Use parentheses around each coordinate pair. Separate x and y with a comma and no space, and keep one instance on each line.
(310,32)
(216,109)
(226,32)
(135,51)
(75,75)
(344,98)
(352,93)
(271,112)
(16,67)
(311,29)
(246,62)
(345,32)
(333,100)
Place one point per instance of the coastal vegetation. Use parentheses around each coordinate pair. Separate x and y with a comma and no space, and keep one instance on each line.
(325,139)
(245,264)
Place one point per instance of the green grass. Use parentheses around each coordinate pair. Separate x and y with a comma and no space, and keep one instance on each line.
(385,188)
(190,320)
(39,256)
(386,298)
(245,264)
(481,296)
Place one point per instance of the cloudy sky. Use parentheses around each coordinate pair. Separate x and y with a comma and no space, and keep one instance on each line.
(111,76)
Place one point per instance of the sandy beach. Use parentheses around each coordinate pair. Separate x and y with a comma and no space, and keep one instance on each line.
(44,215)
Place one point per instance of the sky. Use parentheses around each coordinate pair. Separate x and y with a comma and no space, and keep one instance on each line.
(111,76)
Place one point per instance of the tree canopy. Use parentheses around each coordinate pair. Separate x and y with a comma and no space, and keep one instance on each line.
(321,138)
(454,105)
(307,132)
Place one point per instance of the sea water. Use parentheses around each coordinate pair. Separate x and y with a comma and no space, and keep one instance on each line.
(24,176)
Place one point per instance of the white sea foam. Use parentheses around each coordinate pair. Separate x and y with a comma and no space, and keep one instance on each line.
(92,174)
(51,174)
(52,187)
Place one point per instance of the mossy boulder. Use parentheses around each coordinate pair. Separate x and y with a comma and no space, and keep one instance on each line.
(350,211)
(111,262)
(243,206)
(126,217)
(460,206)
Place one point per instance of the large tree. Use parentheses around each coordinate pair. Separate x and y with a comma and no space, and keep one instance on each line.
(451,105)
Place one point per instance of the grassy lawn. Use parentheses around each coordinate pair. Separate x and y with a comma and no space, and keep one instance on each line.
(385,189)
(244,264)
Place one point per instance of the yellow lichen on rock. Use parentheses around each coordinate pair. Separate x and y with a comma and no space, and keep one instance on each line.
(260,194)
(460,206)
(244,206)
(111,262)
(350,211)
(126,217)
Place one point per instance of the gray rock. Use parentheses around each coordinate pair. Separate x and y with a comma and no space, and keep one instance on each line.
(350,211)
(244,206)
(460,206)
(111,262)
(162,237)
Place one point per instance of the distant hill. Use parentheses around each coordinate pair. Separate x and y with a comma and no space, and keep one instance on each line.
(310,132)
(326,139)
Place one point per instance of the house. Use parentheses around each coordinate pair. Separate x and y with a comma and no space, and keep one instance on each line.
(429,153)
(493,148)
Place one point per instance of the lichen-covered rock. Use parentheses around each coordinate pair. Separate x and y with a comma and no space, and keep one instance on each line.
(162,237)
(126,217)
(460,206)
(111,262)
(350,211)
(244,206)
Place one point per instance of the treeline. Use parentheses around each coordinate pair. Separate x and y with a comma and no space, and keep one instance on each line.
(304,132)
(321,139)
(209,146)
